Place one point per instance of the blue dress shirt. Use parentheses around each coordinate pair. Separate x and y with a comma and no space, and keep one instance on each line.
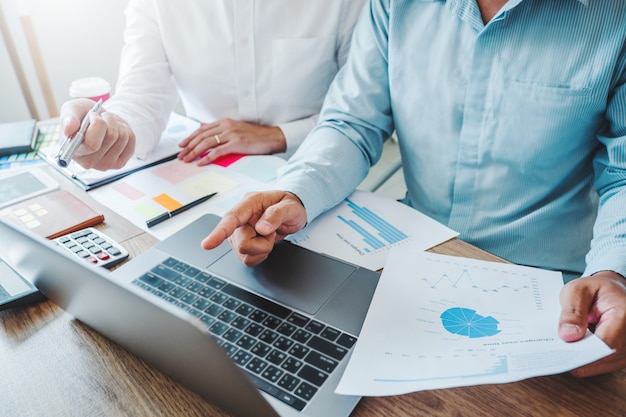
(512,133)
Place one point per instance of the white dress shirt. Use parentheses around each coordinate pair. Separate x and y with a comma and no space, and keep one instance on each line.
(262,61)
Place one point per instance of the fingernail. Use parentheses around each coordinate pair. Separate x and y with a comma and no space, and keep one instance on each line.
(569,328)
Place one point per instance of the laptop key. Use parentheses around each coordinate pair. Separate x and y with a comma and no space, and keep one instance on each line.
(170,262)
(299,351)
(277,393)
(330,334)
(218,328)
(312,375)
(240,323)
(151,279)
(246,342)
(328,348)
(166,273)
(216,283)
(298,319)
(292,365)
(346,340)
(260,349)
(232,335)
(241,357)
(256,365)
(276,357)
(314,326)
(320,361)
(232,304)
(259,302)
(301,336)
(288,382)
(244,309)
(272,373)
(286,329)
(306,391)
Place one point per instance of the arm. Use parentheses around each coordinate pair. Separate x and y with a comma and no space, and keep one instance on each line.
(141,106)
(331,162)
(145,93)
(598,300)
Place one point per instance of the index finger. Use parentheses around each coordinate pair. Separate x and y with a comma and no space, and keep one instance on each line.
(72,113)
(224,229)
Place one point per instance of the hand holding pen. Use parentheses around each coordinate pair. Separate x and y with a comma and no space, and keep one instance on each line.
(71,143)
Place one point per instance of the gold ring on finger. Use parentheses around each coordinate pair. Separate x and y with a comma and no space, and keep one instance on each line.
(217,139)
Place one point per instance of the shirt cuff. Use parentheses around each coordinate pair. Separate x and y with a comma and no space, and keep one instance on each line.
(613,259)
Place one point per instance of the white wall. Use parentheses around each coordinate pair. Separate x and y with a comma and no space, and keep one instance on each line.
(77,38)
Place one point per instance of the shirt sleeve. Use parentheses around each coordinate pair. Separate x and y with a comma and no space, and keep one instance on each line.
(608,247)
(296,131)
(145,93)
(338,153)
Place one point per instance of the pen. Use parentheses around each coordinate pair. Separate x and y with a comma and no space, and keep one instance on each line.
(71,143)
(169,214)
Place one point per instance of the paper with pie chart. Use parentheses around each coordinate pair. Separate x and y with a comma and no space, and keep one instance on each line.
(439,321)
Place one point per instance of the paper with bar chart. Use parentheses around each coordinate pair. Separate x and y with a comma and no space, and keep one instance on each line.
(365,226)
(439,321)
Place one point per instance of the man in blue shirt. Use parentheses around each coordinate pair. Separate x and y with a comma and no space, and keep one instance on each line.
(511,121)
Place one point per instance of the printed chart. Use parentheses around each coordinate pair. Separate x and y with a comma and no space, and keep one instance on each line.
(439,321)
(365,226)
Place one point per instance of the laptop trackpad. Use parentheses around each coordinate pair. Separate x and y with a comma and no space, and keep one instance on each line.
(292,275)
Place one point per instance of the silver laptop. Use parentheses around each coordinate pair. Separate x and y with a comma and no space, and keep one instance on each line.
(264,341)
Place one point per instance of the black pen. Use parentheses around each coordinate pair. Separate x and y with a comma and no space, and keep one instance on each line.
(169,214)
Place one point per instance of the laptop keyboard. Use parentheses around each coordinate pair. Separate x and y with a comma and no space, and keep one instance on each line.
(286,354)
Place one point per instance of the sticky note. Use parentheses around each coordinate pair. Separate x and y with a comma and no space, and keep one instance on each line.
(168,202)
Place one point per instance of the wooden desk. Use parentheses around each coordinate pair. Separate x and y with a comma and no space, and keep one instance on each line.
(52,365)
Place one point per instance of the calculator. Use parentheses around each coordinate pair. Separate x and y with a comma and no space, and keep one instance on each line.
(93,246)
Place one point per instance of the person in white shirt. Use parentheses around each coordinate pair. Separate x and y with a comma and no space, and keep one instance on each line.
(254,72)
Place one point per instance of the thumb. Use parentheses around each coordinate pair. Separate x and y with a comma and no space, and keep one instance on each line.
(576,301)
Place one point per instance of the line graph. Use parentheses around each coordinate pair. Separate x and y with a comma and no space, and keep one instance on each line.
(466,277)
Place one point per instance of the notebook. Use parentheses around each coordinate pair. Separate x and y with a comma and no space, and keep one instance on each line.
(264,341)
(53,214)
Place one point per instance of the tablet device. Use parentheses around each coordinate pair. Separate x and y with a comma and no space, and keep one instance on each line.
(19,186)
(15,290)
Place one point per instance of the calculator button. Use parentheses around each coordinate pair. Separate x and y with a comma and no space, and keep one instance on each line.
(93,246)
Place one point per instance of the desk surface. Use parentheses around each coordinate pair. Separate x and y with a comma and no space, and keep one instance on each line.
(53,365)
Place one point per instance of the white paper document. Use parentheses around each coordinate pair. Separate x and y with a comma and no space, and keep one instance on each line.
(365,227)
(439,321)
(165,187)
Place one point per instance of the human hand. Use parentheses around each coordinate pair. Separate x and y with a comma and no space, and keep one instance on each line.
(109,141)
(597,302)
(254,225)
(227,136)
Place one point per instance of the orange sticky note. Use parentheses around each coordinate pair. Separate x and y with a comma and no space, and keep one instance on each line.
(168,202)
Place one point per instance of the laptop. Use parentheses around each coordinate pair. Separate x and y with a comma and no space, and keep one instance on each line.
(271,340)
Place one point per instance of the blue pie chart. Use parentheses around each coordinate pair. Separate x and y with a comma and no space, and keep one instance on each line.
(466,322)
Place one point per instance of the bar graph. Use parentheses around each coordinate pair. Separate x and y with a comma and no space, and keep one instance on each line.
(376,232)
(364,227)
